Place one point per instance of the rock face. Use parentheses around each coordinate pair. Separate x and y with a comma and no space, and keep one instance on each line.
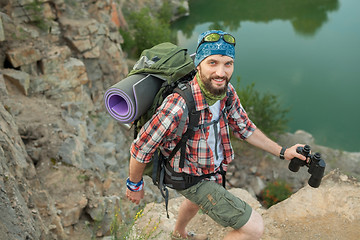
(56,141)
(331,211)
(19,217)
(63,160)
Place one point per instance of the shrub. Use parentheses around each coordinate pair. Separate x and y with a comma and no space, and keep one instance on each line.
(126,230)
(165,13)
(146,31)
(275,192)
(34,11)
(264,110)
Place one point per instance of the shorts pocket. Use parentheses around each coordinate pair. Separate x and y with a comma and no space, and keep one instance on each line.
(219,204)
(223,207)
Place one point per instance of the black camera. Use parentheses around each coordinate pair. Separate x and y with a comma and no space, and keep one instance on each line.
(315,164)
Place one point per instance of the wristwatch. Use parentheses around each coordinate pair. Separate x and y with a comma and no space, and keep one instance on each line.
(282,152)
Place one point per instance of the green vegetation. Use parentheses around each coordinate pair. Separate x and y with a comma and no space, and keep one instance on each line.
(125,230)
(264,110)
(165,13)
(35,11)
(275,192)
(147,30)
(83,178)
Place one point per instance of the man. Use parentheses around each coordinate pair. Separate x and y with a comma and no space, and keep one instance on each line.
(210,148)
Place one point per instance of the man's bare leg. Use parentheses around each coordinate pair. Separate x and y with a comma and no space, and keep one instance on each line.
(187,211)
(252,230)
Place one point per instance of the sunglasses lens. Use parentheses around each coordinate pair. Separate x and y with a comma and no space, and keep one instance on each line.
(212,37)
(230,39)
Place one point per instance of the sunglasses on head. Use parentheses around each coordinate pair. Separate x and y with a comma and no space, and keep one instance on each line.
(214,37)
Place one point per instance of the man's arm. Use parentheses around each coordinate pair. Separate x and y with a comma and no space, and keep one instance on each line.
(260,140)
(136,171)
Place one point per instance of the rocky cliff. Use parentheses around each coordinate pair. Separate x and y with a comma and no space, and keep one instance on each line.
(63,160)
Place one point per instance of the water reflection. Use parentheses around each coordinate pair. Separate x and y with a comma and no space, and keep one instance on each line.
(306,16)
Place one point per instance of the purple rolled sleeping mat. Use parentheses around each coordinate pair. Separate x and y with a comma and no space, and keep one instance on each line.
(131,97)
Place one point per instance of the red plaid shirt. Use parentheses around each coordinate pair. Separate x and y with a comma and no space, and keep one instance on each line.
(160,132)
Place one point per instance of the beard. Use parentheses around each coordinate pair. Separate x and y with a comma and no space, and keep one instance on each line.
(210,88)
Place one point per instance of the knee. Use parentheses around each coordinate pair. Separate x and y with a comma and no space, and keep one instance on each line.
(254,228)
(258,225)
(259,228)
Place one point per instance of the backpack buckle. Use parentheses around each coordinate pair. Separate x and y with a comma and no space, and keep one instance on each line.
(182,86)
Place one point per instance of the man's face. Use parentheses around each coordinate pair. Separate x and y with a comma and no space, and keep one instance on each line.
(215,72)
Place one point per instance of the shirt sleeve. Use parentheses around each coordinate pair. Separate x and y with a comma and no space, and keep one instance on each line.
(239,121)
(162,126)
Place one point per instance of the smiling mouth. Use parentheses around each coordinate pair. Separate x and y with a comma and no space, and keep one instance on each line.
(219,80)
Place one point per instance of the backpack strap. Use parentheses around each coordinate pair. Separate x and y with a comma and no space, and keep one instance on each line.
(228,104)
(185,91)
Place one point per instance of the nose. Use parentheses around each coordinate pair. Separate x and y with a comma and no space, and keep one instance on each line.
(220,71)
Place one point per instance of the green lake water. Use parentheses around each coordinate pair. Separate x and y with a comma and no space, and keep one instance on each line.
(307,52)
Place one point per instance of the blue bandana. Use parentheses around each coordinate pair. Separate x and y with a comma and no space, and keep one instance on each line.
(213,48)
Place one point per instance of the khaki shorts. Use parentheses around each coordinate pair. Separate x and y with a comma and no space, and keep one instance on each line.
(219,204)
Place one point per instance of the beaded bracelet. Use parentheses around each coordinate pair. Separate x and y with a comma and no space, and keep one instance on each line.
(134,187)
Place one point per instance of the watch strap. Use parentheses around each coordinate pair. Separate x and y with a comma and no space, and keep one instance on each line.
(282,153)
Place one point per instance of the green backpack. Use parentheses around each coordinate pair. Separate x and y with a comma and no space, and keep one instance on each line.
(168,62)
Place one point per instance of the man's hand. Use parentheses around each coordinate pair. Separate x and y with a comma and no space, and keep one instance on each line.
(291,153)
(135,197)
(136,170)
